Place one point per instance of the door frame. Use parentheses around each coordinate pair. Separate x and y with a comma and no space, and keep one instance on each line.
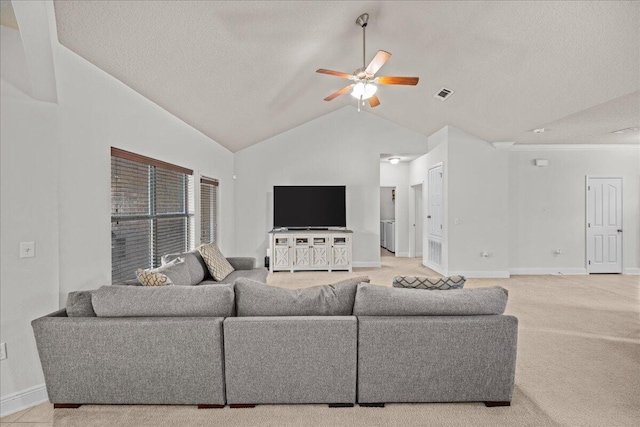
(586,219)
(444,237)
(412,218)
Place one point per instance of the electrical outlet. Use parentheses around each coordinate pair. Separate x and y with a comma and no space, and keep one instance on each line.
(3,351)
(27,249)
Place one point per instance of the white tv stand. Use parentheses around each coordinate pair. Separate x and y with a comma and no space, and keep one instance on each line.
(297,250)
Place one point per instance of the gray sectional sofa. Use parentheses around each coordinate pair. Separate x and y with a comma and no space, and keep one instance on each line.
(244,267)
(248,343)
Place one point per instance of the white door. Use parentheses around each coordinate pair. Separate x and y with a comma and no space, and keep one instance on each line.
(417,189)
(604,225)
(435,214)
(435,217)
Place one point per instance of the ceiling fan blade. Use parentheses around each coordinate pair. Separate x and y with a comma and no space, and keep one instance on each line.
(374,101)
(338,93)
(392,80)
(377,62)
(334,73)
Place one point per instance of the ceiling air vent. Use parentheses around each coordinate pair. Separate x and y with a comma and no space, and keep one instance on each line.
(443,94)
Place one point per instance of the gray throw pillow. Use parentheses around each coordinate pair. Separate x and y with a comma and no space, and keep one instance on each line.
(429,283)
(255,299)
(193,262)
(164,301)
(374,300)
(79,304)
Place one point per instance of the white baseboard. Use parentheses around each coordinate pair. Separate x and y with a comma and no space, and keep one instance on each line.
(366,264)
(549,271)
(419,254)
(402,254)
(21,400)
(632,271)
(498,274)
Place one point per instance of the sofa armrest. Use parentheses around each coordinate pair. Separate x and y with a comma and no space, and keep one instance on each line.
(131,360)
(242,263)
(436,358)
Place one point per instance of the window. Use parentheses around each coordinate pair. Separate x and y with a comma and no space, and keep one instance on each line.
(208,210)
(151,212)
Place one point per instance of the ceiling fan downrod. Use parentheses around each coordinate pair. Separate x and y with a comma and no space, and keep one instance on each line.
(362,21)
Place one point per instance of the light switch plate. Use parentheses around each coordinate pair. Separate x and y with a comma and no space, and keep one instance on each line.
(3,351)
(27,249)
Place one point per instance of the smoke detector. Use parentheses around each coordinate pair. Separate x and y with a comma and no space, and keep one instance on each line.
(443,94)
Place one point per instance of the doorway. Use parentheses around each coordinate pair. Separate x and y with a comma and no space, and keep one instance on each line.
(604,225)
(417,220)
(387,221)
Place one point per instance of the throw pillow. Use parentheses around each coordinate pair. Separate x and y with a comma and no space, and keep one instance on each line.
(193,263)
(255,299)
(383,301)
(164,275)
(79,304)
(429,283)
(217,264)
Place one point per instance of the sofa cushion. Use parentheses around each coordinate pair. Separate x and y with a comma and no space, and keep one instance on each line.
(429,283)
(217,264)
(164,301)
(174,272)
(194,263)
(257,274)
(79,304)
(257,299)
(374,300)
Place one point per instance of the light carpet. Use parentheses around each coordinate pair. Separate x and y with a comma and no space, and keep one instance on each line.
(578,364)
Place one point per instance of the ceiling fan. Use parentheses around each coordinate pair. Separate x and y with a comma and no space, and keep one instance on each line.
(365,83)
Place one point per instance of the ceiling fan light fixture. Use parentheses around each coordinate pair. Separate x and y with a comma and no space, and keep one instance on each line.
(394,160)
(364,90)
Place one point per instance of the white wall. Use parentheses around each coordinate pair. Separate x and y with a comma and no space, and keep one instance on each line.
(418,174)
(398,176)
(29,212)
(475,188)
(340,148)
(477,199)
(97,112)
(547,207)
(56,191)
(13,62)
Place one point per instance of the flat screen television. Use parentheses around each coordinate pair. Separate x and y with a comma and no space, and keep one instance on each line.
(303,206)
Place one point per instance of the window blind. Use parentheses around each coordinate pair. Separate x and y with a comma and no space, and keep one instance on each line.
(151,212)
(208,210)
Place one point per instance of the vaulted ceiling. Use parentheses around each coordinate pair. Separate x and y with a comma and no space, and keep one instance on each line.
(241,72)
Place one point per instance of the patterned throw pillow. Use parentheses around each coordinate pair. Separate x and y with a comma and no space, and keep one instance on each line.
(157,276)
(217,264)
(429,283)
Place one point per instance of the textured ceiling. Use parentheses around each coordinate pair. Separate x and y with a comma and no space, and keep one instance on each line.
(7,15)
(241,72)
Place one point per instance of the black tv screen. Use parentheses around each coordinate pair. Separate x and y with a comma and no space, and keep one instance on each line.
(309,206)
